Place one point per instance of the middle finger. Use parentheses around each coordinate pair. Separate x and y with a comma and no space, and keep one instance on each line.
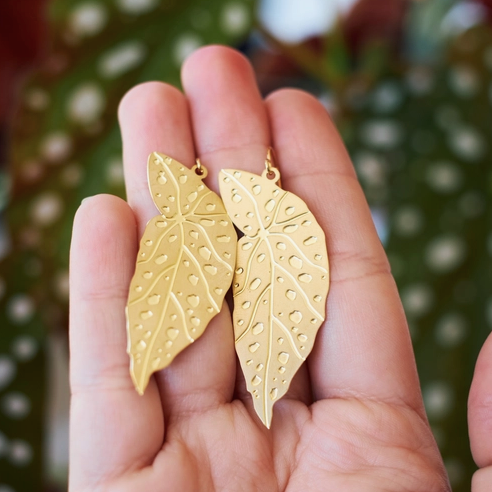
(231,130)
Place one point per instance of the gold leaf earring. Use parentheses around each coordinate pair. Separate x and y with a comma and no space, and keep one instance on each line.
(184,267)
(280,283)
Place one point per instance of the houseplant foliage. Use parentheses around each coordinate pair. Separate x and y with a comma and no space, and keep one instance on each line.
(66,147)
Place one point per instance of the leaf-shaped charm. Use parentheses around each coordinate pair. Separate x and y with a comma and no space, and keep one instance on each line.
(184,268)
(280,284)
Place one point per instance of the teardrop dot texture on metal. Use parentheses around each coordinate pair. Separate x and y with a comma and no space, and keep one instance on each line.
(281,276)
(185,267)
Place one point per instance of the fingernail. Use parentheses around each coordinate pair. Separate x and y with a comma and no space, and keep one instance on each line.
(87,198)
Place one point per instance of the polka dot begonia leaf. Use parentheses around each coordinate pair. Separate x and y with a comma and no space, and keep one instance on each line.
(67,146)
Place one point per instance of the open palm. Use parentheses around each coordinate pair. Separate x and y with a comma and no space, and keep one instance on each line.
(353,418)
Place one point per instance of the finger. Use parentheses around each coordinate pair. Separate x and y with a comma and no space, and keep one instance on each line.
(112,428)
(364,347)
(155,116)
(229,119)
(230,125)
(480,408)
(482,480)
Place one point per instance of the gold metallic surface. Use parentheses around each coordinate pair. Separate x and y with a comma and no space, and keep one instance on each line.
(271,172)
(184,267)
(280,284)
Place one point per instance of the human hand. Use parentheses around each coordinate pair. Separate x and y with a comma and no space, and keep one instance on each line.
(353,419)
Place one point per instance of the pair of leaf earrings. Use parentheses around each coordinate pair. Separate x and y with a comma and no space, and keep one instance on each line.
(189,256)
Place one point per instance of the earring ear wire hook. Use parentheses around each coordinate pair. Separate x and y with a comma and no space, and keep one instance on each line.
(271,170)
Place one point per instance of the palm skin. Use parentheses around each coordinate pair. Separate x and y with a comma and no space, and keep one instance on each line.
(322,447)
(353,418)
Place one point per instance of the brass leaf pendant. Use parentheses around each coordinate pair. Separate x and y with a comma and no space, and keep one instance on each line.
(280,283)
(184,268)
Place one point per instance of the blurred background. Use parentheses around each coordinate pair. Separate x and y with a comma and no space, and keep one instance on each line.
(409,84)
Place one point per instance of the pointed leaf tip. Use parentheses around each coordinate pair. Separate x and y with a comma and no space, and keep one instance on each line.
(280,284)
(184,268)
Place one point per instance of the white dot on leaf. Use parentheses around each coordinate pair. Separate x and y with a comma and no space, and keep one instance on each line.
(137,7)
(122,59)
(24,348)
(20,452)
(408,221)
(451,330)
(114,172)
(464,81)
(46,209)
(86,103)
(62,284)
(235,18)
(7,371)
(56,147)
(37,99)
(370,168)
(467,143)
(438,399)
(387,97)
(88,19)
(184,46)
(444,177)
(16,405)
(417,299)
(445,253)
(383,134)
(20,308)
